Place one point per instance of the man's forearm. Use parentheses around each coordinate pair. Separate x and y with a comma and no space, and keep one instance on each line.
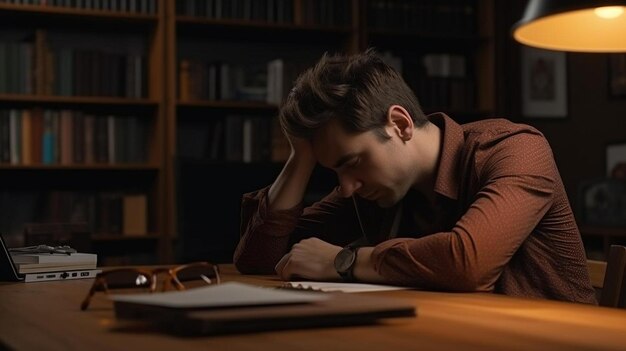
(364,267)
(288,189)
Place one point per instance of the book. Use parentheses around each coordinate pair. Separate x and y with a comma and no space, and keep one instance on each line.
(83,258)
(135,209)
(23,268)
(27,142)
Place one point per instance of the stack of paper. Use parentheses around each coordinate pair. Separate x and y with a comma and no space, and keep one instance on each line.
(340,287)
(46,262)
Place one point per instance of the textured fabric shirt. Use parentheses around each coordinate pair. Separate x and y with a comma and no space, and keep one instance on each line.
(501,221)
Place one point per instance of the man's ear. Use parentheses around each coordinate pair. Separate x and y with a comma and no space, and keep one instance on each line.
(400,121)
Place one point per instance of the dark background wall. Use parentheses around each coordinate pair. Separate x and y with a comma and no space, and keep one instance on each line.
(594,118)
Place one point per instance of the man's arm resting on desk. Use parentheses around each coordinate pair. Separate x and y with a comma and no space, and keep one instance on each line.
(364,268)
(314,259)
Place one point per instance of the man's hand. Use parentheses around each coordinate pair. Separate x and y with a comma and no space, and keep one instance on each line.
(309,259)
(289,187)
(301,149)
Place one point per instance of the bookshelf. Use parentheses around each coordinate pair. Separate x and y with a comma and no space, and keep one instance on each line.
(227,99)
(82,108)
(215,71)
(444,49)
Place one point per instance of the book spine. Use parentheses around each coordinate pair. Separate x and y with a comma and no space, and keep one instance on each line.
(48,140)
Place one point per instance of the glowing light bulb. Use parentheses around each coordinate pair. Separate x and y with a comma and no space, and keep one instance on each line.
(608,12)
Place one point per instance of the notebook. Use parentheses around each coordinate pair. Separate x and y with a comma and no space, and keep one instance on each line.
(9,272)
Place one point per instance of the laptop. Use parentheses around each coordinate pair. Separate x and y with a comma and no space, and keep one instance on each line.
(9,273)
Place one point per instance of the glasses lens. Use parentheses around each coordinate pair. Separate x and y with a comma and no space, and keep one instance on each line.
(197,275)
(126,279)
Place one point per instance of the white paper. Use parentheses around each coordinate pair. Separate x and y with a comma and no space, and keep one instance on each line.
(343,287)
(231,294)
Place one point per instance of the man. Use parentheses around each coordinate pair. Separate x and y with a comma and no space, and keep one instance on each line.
(422,201)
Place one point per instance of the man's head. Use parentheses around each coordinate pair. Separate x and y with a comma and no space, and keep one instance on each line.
(361,119)
(357,91)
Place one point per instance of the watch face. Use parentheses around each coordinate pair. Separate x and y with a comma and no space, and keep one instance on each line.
(344,260)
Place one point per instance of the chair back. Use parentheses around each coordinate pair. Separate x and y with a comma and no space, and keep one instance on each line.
(597,270)
(614,283)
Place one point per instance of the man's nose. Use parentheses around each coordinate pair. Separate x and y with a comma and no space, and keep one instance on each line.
(347,187)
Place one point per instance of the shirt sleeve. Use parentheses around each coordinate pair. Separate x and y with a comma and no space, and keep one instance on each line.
(268,235)
(264,233)
(518,177)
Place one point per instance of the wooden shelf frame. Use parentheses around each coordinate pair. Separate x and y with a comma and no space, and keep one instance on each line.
(150,174)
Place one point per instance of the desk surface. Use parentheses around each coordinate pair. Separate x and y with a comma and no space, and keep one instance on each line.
(46,316)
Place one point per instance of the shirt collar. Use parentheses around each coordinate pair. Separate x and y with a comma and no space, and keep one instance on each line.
(447,178)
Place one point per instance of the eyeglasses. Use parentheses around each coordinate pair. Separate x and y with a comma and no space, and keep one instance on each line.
(180,277)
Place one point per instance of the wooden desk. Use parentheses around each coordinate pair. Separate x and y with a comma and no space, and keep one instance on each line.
(46,316)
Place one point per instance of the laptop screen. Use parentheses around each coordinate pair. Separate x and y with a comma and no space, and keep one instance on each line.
(8,273)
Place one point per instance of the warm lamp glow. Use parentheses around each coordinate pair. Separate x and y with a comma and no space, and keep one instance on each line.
(609,12)
(593,29)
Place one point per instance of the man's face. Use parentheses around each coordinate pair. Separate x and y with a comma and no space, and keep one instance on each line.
(375,169)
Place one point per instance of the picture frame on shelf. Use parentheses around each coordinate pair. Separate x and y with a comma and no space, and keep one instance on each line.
(617,75)
(602,202)
(544,83)
(615,155)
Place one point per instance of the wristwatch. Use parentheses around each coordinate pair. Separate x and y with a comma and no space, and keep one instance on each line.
(344,263)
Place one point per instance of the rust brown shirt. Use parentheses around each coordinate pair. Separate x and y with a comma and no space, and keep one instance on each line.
(501,221)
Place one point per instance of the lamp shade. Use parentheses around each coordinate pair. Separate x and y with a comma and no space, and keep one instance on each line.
(570,25)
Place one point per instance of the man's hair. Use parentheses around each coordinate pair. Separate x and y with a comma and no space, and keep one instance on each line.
(355,90)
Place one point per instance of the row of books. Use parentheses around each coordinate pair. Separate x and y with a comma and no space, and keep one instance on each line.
(17,68)
(308,12)
(125,6)
(217,80)
(107,213)
(444,82)
(431,73)
(37,136)
(281,76)
(273,11)
(430,16)
(444,65)
(445,93)
(33,68)
(234,138)
(326,12)
(440,80)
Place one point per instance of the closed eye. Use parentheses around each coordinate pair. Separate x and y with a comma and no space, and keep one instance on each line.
(351,163)
(347,161)
(354,162)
